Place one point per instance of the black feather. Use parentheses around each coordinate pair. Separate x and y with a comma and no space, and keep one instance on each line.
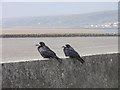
(71,53)
(46,52)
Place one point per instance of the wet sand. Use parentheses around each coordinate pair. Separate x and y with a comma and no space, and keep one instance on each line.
(49,31)
(17,49)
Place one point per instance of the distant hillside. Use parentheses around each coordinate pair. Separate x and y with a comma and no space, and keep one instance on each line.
(63,21)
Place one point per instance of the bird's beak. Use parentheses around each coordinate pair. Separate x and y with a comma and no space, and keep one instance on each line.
(37,44)
(63,46)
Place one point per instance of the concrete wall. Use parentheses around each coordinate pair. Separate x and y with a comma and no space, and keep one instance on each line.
(0,76)
(98,71)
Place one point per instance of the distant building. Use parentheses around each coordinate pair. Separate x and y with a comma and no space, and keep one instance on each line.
(106,25)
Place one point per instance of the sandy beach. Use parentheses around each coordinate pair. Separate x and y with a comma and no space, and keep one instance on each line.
(26,30)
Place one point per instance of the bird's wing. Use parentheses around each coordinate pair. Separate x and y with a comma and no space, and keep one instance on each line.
(49,50)
(48,54)
(70,48)
(73,54)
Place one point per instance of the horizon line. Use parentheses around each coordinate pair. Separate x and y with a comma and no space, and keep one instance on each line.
(61,14)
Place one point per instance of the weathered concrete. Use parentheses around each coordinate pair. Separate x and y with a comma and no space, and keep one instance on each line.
(98,71)
(0,76)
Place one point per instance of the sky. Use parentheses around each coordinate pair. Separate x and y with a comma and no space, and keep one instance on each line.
(59,0)
(28,9)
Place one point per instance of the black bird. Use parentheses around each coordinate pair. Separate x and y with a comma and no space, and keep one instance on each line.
(46,52)
(71,53)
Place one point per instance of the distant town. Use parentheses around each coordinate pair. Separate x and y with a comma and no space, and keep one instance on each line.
(106,25)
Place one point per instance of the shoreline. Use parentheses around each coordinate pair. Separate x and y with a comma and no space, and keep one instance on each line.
(57,35)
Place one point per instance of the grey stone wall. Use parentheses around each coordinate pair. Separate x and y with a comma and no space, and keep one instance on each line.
(98,71)
(0,76)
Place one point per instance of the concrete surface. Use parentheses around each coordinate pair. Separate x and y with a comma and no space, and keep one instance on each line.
(98,71)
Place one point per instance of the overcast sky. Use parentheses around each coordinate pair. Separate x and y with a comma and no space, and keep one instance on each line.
(25,9)
(60,0)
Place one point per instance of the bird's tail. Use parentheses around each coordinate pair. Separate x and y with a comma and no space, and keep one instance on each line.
(81,60)
(59,60)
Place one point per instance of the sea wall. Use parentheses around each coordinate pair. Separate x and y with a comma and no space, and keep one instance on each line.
(98,71)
